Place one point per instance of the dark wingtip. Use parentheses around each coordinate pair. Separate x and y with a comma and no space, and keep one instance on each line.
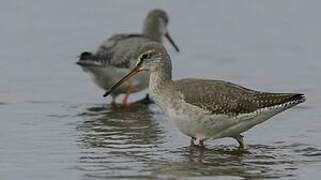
(298,97)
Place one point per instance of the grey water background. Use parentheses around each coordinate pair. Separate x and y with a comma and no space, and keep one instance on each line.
(56,125)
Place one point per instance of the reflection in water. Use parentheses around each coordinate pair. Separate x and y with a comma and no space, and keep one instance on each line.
(259,161)
(120,128)
(130,143)
(115,139)
(255,163)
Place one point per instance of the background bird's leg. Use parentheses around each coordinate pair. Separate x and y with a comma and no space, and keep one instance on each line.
(128,91)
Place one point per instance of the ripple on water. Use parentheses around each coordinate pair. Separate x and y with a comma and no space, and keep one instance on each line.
(259,161)
(118,140)
(310,152)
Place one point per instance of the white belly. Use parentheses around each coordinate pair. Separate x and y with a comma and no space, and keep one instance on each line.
(198,123)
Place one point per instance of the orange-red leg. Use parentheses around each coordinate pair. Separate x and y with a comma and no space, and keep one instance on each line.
(128,91)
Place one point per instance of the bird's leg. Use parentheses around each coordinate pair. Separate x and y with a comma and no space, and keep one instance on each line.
(125,100)
(198,142)
(240,140)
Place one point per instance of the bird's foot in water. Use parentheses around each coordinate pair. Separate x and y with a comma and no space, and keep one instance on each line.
(239,138)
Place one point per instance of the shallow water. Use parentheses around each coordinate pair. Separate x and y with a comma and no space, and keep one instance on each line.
(56,125)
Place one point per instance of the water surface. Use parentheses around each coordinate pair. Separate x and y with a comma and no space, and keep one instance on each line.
(56,125)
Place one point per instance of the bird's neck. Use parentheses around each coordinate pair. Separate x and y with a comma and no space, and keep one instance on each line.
(162,89)
(161,77)
(153,29)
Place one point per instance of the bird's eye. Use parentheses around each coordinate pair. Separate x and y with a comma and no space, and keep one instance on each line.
(144,56)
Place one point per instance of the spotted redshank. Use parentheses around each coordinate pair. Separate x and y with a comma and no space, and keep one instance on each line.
(204,109)
(114,57)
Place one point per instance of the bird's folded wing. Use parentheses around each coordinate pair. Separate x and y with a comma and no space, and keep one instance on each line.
(221,97)
(120,50)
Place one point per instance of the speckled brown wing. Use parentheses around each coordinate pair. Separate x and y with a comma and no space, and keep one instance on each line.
(120,49)
(221,97)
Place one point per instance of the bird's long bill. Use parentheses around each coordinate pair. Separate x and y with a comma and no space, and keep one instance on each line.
(171,41)
(125,78)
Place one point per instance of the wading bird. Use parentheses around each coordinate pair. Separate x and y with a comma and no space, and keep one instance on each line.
(206,109)
(115,57)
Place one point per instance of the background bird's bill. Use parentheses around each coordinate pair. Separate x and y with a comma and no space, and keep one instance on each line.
(171,41)
(125,78)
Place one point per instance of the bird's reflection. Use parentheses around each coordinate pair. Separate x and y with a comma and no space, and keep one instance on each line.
(117,139)
(257,162)
(115,127)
